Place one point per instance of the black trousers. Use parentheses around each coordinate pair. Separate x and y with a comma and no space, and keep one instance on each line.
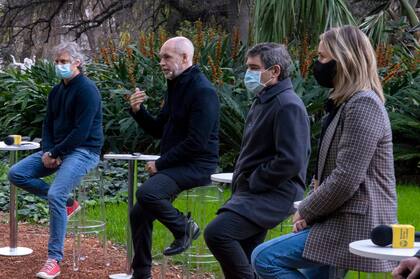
(232,238)
(154,201)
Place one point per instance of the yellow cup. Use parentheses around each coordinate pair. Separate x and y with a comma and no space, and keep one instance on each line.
(13,140)
(402,236)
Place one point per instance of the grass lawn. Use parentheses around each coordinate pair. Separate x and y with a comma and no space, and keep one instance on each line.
(203,210)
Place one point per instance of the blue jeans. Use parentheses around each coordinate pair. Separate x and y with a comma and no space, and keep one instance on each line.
(282,258)
(26,174)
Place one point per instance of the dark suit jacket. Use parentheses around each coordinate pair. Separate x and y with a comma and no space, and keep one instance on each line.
(271,169)
(188,126)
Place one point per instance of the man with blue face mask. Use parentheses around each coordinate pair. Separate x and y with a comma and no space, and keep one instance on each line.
(72,139)
(270,171)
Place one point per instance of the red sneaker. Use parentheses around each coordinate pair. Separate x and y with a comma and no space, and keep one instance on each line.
(50,270)
(71,210)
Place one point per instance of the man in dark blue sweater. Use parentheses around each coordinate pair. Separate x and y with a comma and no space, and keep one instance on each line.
(72,139)
(188,126)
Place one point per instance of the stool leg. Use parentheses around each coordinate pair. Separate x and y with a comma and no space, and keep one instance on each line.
(163,267)
(199,257)
(77,221)
(187,259)
(76,245)
(82,218)
(102,217)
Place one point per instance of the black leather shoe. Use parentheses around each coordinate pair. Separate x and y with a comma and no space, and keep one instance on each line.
(134,276)
(179,245)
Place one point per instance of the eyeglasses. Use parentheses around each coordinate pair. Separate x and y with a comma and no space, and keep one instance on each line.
(62,61)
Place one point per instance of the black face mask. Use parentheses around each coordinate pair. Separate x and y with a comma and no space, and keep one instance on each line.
(325,72)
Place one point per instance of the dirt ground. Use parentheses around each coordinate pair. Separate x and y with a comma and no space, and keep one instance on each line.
(93,267)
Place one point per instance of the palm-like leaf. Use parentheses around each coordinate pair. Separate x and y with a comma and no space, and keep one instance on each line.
(277,21)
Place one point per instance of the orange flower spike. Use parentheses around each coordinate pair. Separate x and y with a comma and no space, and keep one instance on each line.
(219,49)
(162,36)
(213,69)
(383,55)
(307,63)
(415,62)
(219,75)
(114,56)
(303,54)
(211,34)
(104,53)
(152,44)
(389,50)
(393,71)
(199,34)
(198,40)
(235,43)
(142,44)
(131,77)
(129,51)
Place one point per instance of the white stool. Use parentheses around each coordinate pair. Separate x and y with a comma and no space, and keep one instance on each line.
(198,201)
(79,225)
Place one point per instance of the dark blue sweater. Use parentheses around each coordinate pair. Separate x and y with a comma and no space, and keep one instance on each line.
(188,126)
(74,118)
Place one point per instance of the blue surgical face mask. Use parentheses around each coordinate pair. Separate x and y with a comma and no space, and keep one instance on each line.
(63,70)
(252,81)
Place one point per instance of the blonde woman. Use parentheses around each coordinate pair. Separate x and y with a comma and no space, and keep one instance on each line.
(354,186)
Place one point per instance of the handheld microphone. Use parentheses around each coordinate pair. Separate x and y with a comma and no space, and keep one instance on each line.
(13,140)
(400,236)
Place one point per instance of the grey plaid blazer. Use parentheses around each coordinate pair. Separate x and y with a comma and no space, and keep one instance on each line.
(357,185)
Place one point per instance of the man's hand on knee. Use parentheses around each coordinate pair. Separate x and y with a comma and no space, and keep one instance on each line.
(151,167)
(49,162)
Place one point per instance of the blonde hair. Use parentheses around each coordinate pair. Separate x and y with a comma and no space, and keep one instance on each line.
(356,63)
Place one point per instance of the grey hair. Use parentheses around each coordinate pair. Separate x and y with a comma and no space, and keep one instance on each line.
(273,54)
(72,49)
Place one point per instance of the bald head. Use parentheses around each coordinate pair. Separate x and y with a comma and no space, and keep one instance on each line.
(176,55)
(182,46)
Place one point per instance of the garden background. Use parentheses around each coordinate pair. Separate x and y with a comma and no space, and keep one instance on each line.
(127,58)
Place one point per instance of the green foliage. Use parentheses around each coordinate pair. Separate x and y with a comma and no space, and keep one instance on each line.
(282,21)
(113,81)
(403,103)
(382,30)
(118,70)
(29,206)
(23,97)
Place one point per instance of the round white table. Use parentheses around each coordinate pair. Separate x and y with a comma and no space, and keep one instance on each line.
(225,177)
(132,184)
(13,249)
(366,248)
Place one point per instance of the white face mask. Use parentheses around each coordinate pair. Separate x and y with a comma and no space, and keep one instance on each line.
(252,81)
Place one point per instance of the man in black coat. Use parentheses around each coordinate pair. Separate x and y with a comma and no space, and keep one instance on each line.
(188,126)
(270,172)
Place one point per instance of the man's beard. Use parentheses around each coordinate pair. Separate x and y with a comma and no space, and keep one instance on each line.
(173,74)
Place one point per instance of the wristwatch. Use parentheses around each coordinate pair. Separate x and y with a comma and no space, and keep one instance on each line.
(49,154)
